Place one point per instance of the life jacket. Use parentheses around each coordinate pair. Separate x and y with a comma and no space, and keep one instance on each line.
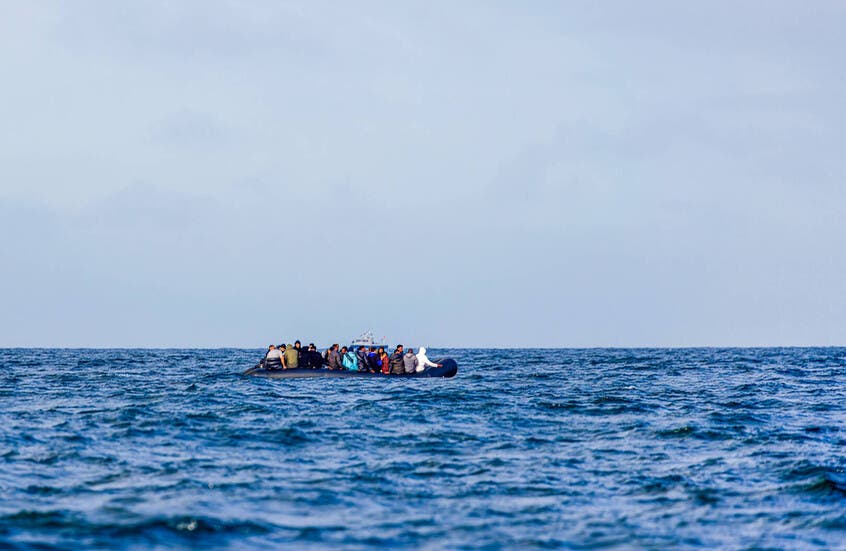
(274,362)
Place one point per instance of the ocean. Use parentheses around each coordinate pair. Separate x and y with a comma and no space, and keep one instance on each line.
(616,448)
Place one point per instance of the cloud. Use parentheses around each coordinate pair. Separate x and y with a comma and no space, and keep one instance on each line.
(562,174)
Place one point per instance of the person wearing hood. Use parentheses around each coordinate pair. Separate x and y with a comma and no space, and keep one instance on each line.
(423,361)
(292,358)
(301,353)
(410,361)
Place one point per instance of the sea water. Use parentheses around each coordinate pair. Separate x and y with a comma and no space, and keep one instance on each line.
(523,449)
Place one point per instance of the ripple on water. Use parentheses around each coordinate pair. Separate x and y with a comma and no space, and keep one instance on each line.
(524,449)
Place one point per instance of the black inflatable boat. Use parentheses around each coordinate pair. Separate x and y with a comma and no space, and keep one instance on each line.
(448,369)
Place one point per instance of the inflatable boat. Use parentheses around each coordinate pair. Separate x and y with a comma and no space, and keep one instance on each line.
(448,369)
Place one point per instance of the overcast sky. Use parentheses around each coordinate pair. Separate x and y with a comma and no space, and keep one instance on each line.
(446,173)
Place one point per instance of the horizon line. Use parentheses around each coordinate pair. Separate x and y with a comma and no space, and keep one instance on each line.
(614,347)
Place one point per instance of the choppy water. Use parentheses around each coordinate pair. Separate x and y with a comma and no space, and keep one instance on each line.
(524,448)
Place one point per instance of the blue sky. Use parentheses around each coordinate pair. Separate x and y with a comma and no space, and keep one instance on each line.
(448,174)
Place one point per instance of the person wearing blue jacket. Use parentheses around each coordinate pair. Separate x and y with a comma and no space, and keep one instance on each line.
(373,362)
(348,359)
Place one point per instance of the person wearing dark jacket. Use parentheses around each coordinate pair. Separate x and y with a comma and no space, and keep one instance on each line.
(363,363)
(373,363)
(314,360)
(301,353)
(395,361)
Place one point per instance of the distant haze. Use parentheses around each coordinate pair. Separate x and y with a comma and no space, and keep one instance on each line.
(448,174)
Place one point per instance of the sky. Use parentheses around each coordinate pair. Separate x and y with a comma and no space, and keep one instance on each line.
(447,174)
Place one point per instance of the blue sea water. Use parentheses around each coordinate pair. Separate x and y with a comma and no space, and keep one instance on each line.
(139,449)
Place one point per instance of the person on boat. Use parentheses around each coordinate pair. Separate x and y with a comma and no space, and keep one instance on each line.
(395,361)
(333,358)
(361,355)
(274,358)
(373,363)
(301,353)
(423,361)
(292,358)
(384,361)
(313,358)
(409,361)
(348,359)
(305,358)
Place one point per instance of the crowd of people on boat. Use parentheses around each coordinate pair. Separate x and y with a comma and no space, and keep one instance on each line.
(373,359)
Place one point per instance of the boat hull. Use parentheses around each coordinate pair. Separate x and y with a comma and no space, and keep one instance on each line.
(448,369)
